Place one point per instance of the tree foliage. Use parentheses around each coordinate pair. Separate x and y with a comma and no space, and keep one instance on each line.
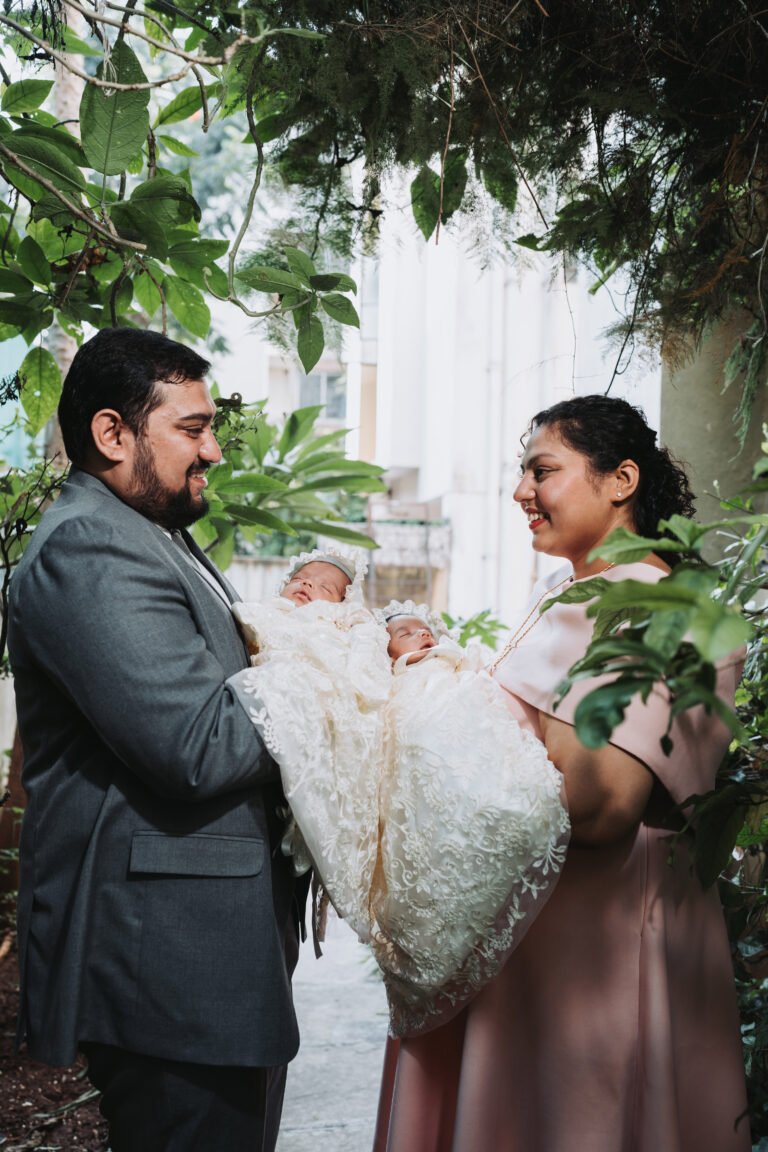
(647,120)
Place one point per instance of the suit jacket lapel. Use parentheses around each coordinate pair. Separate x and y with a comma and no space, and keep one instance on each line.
(198,553)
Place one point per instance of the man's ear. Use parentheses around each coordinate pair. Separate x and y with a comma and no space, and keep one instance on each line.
(111,435)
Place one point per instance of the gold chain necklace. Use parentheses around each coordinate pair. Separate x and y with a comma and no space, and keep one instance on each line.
(525,627)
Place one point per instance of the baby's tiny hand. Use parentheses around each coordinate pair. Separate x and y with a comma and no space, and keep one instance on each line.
(413,657)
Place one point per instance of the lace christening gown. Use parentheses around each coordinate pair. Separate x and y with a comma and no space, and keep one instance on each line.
(435,823)
(320,682)
(473,836)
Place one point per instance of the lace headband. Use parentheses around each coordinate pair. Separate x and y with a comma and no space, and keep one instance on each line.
(353,564)
(423,612)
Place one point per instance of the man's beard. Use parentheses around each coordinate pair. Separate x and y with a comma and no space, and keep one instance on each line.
(160,504)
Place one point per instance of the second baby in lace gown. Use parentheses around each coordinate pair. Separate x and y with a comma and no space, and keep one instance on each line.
(435,823)
(473,831)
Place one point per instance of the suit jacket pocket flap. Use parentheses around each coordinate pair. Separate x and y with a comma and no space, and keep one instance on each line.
(196,855)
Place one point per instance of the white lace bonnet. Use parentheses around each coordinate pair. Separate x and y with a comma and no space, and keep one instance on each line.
(433,621)
(352,563)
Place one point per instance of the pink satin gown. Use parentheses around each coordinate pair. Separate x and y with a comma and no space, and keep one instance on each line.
(614,1026)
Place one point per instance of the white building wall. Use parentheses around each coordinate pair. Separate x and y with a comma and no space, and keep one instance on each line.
(464,356)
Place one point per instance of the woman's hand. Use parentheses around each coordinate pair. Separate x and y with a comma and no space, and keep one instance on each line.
(607,789)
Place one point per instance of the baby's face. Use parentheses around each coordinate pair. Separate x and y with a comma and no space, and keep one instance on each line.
(316,581)
(408,634)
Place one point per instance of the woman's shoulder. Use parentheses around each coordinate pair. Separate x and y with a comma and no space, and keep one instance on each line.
(645,571)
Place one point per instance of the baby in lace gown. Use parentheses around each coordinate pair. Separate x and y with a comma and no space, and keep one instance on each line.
(320,680)
(473,829)
(435,824)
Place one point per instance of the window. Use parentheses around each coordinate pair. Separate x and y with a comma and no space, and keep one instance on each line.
(327,388)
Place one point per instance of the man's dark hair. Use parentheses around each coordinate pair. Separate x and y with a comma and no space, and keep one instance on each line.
(120,368)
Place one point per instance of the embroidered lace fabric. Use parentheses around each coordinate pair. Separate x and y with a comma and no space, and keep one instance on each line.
(473,837)
(436,824)
(320,682)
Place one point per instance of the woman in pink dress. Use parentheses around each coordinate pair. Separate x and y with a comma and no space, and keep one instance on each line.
(614,1026)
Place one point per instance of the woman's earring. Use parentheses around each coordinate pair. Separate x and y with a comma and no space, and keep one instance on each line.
(618,494)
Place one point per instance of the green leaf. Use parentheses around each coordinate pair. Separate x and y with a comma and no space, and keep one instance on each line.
(717,633)
(624,547)
(223,551)
(192,257)
(717,825)
(530,241)
(425,200)
(327,281)
(77,47)
(16,314)
(578,592)
(214,280)
(310,342)
(251,483)
(38,322)
(297,427)
(185,104)
(301,264)
(336,532)
(45,160)
(335,462)
(602,710)
(108,271)
(311,454)
(665,632)
(187,305)
(147,294)
(14,283)
(25,96)
(271,127)
(499,175)
(340,308)
(114,124)
(198,253)
(266,279)
(343,482)
(178,147)
(41,388)
(33,262)
(61,140)
(168,200)
(133,224)
(454,182)
(258,518)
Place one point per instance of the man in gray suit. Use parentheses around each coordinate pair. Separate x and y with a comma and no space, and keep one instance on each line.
(158,923)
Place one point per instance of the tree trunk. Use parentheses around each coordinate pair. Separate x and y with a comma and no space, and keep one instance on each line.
(697,424)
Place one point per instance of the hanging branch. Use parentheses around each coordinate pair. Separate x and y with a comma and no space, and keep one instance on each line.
(66,63)
(448,130)
(502,128)
(232,296)
(102,230)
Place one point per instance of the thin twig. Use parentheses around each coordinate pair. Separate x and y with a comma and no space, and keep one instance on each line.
(191,57)
(82,256)
(66,63)
(502,129)
(448,130)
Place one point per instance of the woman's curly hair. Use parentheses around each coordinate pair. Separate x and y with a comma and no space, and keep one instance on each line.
(606,431)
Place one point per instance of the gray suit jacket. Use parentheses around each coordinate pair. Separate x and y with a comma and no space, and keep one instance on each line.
(155,906)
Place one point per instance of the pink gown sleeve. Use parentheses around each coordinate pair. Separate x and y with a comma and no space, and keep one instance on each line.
(561,636)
